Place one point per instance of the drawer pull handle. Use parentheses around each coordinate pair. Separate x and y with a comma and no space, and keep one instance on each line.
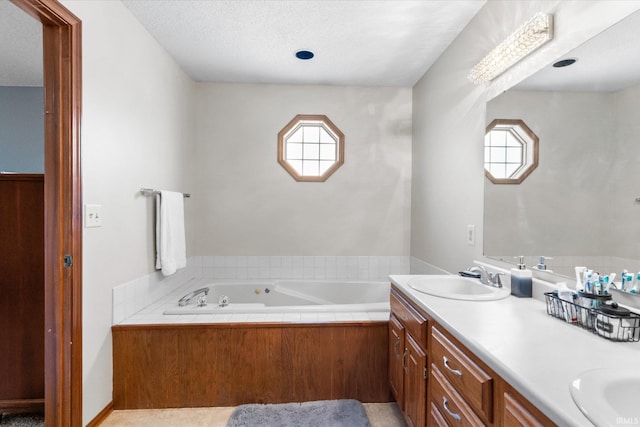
(406,351)
(457,417)
(446,365)
(395,347)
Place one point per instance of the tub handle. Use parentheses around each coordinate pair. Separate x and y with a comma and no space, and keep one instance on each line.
(404,366)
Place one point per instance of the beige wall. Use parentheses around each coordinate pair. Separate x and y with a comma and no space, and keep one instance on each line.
(137,130)
(245,203)
(449,120)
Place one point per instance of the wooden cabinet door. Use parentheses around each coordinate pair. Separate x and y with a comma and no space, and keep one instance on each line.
(415,384)
(396,353)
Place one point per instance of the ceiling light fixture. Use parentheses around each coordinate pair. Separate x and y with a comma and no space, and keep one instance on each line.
(304,54)
(534,33)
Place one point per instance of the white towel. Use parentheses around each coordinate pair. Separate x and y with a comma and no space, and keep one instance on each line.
(170,236)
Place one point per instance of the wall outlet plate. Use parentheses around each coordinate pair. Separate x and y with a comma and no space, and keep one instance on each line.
(92,216)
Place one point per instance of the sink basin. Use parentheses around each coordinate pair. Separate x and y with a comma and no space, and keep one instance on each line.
(609,396)
(457,287)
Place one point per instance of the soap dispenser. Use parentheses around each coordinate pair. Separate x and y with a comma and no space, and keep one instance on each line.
(521,280)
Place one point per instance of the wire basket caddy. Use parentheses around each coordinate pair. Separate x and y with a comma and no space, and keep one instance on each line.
(585,312)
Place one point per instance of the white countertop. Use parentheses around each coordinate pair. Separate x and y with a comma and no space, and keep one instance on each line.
(537,354)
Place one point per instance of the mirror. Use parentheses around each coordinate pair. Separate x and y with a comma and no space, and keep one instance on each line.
(579,206)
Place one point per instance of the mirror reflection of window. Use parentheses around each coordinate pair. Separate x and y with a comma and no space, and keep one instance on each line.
(510,151)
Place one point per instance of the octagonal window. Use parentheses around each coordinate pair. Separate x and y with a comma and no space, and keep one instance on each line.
(510,151)
(310,148)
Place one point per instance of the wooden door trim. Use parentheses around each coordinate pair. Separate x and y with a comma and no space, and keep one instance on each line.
(63,210)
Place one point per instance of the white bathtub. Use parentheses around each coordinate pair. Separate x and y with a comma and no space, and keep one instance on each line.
(286,296)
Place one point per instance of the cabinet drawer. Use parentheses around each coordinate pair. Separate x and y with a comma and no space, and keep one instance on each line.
(435,417)
(451,405)
(413,322)
(473,383)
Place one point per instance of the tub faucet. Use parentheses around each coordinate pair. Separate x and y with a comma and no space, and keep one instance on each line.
(486,278)
(202,300)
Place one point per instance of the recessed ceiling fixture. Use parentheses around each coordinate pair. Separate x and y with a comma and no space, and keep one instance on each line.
(304,54)
(534,33)
(564,62)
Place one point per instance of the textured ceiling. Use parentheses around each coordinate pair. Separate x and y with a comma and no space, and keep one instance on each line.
(608,62)
(356,42)
(20,47)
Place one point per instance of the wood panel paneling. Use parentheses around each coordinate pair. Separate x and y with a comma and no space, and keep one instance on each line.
(22,292)
(228,365)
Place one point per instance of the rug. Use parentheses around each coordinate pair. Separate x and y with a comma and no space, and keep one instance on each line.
(322,413)
(21,420)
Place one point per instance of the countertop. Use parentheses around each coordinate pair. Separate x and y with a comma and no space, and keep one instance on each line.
(537,354)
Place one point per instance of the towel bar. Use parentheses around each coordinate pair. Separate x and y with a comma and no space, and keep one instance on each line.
(151,192)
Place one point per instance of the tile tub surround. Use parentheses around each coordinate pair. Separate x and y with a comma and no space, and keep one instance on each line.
(537,354)
(137,296)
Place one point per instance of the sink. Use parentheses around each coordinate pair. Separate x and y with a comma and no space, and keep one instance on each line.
(608,396)
(457,287)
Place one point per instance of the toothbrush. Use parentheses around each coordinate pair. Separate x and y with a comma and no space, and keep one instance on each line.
(612,278)
(623,277)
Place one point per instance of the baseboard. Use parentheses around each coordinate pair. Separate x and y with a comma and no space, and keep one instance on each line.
(102,415)
(22,405)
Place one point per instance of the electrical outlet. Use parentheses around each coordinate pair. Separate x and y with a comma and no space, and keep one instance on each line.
(471,235)
(92,216)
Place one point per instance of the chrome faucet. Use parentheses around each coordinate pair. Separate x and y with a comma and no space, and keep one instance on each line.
(486,278)
(202,300)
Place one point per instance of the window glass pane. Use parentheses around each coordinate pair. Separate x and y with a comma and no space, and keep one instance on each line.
(328,151)
(512,140)
(498,138)
(296,165)
(511,169)
(311,133)
(324,165)
(294,151)
(326,137)
(498,155)
(514,155)
(296,136)
(310,168)
(311,151)
(497,170)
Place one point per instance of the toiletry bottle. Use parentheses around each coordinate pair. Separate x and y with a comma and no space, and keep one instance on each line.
(521,280)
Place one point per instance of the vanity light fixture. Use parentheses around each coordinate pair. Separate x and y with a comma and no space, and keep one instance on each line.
(534,33)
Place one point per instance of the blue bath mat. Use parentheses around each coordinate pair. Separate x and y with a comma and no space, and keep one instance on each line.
(322,413)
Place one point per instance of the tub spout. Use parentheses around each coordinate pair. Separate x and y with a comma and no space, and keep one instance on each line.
(202,300)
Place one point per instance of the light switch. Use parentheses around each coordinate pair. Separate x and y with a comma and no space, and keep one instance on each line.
(92,216)
(471,235)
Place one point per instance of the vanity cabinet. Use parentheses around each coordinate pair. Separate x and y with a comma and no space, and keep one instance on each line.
(408,359)
(460,391)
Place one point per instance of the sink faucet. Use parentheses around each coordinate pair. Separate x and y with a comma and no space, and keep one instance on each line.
(486,278)
(202,301)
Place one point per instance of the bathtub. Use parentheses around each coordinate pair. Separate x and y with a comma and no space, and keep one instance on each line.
(286,296)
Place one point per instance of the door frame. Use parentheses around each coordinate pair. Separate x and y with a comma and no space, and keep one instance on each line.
(62,62)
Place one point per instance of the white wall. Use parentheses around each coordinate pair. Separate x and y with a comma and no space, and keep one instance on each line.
(449,120)
(245,203)
(137,131)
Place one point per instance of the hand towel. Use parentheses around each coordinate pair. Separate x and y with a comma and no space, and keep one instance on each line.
(170,235)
